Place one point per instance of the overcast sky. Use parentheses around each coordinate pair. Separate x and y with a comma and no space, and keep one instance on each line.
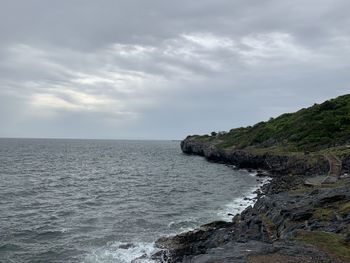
(161,69)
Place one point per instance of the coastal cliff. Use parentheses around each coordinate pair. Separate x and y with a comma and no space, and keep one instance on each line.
(302,214)
(281,163)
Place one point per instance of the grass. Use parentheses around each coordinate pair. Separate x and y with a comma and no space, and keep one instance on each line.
(308,189)
(201,137)
(269,225)
(324,213)
(345,208)
(302,190)
(331,243)
(339,151)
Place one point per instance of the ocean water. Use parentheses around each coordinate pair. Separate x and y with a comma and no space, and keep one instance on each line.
(106,201)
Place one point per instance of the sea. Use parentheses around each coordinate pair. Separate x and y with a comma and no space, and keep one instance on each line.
(64,200)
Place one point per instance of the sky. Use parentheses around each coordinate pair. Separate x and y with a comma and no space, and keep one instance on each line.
(157,69)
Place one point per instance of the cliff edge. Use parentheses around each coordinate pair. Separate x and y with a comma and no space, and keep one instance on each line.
(297,217)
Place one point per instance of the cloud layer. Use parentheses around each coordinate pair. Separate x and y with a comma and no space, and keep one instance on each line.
(157,70)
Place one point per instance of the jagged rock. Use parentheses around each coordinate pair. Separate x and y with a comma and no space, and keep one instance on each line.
(331,199)
(215,225)
(301,216)
(261,173)
(127,246)
(139,259)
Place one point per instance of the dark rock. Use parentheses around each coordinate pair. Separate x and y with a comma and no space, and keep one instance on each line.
(257,251)
(346,164)
(127,246)
(331,199)
(315,192)
(301,216)
(215,225)
(247,212)
(139,259)
(261,173)
(347,238)
(258,191)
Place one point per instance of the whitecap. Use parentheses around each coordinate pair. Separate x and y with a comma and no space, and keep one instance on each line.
(240,203)
(119,252)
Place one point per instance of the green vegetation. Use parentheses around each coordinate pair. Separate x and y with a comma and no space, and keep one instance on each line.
(302,190)
(324,213)
(345,209)
(313,129)
(269,225)
(331,243)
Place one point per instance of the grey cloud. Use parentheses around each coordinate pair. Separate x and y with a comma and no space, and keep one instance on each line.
(159,69)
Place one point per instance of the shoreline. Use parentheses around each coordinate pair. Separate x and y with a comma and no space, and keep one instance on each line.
(286,223)
(238,204)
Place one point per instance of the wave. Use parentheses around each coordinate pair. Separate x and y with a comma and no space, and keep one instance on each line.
(240,203)
(185,225)
(119,252)
(141,252)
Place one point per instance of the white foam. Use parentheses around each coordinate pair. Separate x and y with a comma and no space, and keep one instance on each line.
(139,252)
(240,203)
(183,225)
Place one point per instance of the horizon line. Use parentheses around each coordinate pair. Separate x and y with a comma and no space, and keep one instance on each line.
(101,139)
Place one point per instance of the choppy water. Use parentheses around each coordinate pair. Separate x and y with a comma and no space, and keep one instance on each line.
(79,200)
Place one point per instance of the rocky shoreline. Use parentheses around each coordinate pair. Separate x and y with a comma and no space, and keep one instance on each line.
(290,222)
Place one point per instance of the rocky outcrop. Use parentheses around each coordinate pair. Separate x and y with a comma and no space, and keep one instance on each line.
(346,164)
(268,231)
(276,164)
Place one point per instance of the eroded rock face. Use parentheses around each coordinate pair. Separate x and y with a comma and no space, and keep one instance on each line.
(276,164)
(279,252)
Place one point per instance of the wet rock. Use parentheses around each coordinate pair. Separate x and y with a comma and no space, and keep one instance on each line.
(140,259)
(127,246)
(261,173)
(215,225)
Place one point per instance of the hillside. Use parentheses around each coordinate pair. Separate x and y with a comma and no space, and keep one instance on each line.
(302,214)
(312,129)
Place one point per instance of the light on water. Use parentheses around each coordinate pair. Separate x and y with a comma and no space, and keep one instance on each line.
(106,201)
